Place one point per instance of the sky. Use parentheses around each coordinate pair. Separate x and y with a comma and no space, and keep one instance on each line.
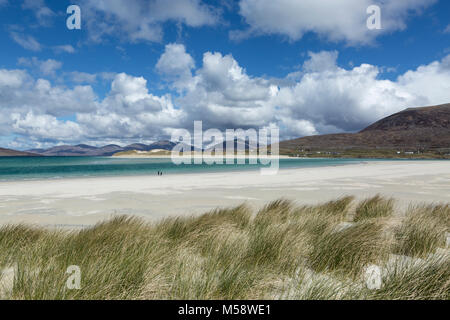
(137,70)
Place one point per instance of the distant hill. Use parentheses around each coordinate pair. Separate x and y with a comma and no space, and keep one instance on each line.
(108,150)
(138,153)
(425,128)
(244,145)
(78,150)
(14,153)
(164,144)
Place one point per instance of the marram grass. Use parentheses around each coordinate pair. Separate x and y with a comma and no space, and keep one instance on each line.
(375,207)
(283,251)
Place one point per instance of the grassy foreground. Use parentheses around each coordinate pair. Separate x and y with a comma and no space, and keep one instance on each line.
(281,252)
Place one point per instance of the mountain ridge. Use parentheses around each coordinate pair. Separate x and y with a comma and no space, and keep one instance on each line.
(107,150)
(423,128)
(14,153)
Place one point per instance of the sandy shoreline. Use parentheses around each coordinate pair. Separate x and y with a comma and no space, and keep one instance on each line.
(84,201)
(163,156)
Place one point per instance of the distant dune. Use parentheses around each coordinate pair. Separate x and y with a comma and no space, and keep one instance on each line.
(142,154)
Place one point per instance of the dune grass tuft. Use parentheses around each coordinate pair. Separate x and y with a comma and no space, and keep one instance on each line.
(283,251)
(375,207)
(423,231)
(348,251)
(416,280)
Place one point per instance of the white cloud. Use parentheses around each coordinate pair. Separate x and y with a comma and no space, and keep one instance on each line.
(430,82)
(46,67)
(26,41)
(175,65)
(224,96)
(321,61)
(41,11)
(12,78)
(67,48)
(49,66)
(129,111)
(20,93)
(33,109)
(343,20)
(137,20)
(131,93)
(44,127)
(222,74)
(324,98)
(83,77)
(296,128)
(86,77)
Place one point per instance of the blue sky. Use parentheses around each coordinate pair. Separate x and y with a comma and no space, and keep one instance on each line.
(138,70)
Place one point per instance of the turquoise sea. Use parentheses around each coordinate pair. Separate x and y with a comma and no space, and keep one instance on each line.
(35,168)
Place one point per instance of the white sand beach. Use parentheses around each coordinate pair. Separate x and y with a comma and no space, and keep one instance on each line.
(77,202)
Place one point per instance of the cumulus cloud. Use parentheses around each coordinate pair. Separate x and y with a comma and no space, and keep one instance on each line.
(35,109)
(12,78)
(130,112)
(21,93)
(137,20)
(130,95)
(323,98)
(175,65)
(321,61)
(49,66)
(45,127)
(83,77)
(343,20)
(46,67)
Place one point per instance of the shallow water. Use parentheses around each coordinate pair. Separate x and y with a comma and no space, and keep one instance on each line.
(35,168)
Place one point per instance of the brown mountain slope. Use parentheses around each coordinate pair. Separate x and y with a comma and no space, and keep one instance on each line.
(14,153)
(426,128)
